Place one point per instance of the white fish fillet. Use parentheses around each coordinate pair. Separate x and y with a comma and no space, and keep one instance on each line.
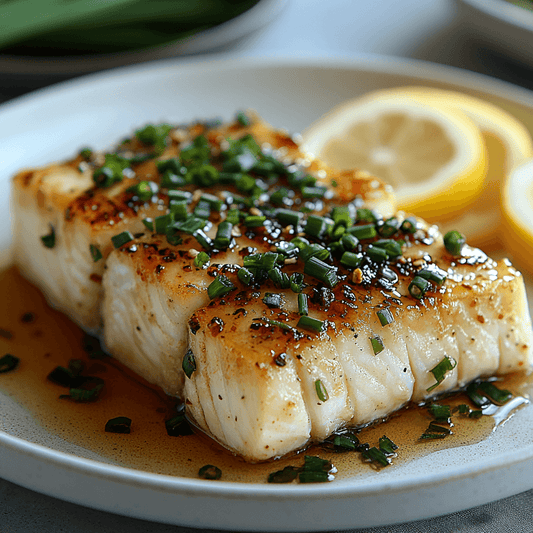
(262,386)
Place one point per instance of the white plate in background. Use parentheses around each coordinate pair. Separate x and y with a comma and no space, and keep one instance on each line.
(99,109)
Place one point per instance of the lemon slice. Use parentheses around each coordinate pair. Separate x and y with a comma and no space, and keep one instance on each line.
(517,206)
(435,159)
(508,144)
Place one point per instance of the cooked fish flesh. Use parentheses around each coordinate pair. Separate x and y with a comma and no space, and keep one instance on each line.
(281,299)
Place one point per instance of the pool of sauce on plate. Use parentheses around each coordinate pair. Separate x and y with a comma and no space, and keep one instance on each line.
(43,339)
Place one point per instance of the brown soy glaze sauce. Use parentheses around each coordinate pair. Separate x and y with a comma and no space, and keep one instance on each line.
(43,339)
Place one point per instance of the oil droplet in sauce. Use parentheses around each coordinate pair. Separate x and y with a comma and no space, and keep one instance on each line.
(43,339)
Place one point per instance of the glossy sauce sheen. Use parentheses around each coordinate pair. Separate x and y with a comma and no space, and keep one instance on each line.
(43,339)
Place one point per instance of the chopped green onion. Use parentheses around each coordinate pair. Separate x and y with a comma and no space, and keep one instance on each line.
(223,236)
(189,225)
(389,227)
(272,300)
(202,209)
(287,217)
(303,306)
(440,370)
(161,223)
(365,215)
(338,232)
(86,153)
(342,215)
(242,119)
(377,254)
(316,226)
(440,412)
(154,135)
(287,475)
(111,172)
(204,241)
(214,202)
(387,446)
(245,276)
(144,190)
(345,442)
(367,231)
(377,344)
(233,216)
(375,455)
(311,324)
(313,477)
(297,281)
(8,362)
(178,426)
(351,260)
(96,254)
(434,274)
(49,240)
(435,431)
(409,225)
(201,260)
(418,287)
(87,389)
(210,472)
(314,192)
(121,239)
(203,176)
(279,196)
(119,424)
(170,180)
(189,363)
(314,250)
(496,395)
(349,242)
(454,242)
(179,196)
(385,316)
(477,399)
(178,209)
(321,271)
(280,279)
(220,286)
(254,221)
(265,261)
(148,223)
(392,247)
(321,391)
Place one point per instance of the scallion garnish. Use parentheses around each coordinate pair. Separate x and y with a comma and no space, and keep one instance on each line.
(202,209)
(349,242)
(119,424)
(418,287)
(210,472)
(496,395)
(454,242)
(314,250)
(377,344)
(392,247)
(223,237)
(242,119)
(85,389)
(311,324)
(440,371)
(342,215)
(154,135)
(387,446)
(321,271)
(375,455)
(280,279)
(389,227)
(297,282)
(303,307)
(178,426)
(189,363)
(161,223)
(376,254)
(8,363)
(385,316)
(49,240)
(321,391)
(440,412)
(434,274)
(287,475)
(202,260)
(144,190)
(96,254)
(316,226)
(409,225)
(220,286)
(351,260)
(245,276)
(367,231)
(121,239)
(314,192)
(435,431)
(287,217)
(178,209)
(365,215)
(111,172)
(254,221)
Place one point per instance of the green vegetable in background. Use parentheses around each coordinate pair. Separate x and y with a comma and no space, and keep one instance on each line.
(96,26)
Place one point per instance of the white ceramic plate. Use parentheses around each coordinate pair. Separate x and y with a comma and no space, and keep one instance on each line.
(291,93)
(501,25)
